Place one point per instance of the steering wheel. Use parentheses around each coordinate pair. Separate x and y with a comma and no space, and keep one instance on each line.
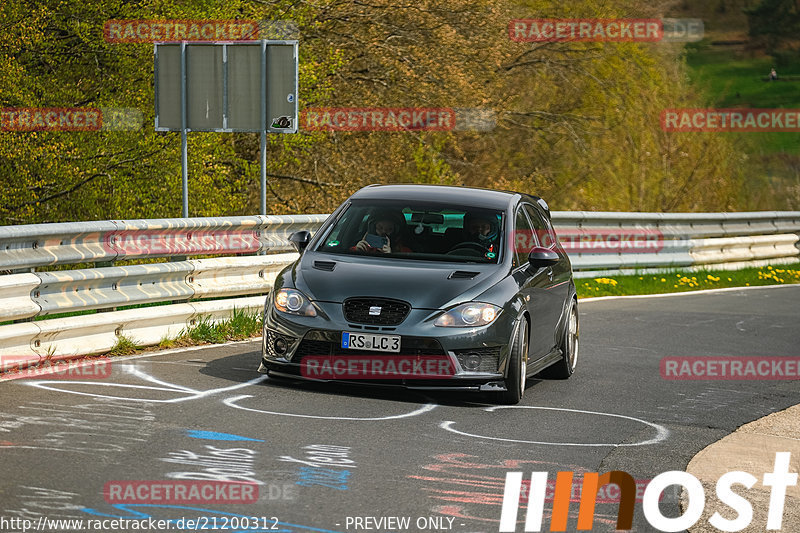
(470,246)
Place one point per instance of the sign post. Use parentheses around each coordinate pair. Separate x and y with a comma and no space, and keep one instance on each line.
(263,128)
(184,138)
(247,86)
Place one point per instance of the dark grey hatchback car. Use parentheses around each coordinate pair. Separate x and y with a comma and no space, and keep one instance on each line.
(427,287)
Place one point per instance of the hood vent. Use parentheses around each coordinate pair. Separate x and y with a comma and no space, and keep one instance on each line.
(325,265)
(462,274)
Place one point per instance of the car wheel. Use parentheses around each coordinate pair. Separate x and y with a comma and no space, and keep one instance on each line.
(518,366)
(565,367)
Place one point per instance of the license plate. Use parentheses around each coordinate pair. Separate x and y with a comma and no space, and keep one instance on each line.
(367,341)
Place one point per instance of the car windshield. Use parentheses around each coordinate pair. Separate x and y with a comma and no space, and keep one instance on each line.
(414,230)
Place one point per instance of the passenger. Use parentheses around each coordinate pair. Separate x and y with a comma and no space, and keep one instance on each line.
(389,228)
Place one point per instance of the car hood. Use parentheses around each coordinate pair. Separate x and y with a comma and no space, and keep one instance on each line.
(424,284)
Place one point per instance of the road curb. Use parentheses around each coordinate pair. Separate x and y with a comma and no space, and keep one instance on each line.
(751,448)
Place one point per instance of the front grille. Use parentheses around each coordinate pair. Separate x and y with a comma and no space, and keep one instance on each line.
(392,312)
(309,347)
(490,359)
(330,343)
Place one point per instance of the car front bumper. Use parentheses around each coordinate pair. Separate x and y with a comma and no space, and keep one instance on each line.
(298,337)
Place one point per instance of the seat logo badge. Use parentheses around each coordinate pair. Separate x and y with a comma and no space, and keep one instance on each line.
(374,310)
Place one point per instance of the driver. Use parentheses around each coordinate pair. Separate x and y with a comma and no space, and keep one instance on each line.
(482,229)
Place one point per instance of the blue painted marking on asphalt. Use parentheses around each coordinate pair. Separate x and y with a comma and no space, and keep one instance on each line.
(214,435)
(327,477)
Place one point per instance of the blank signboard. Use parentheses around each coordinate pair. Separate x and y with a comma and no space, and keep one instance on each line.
(168,87)
(281,73)
(244,87)
(224,86)
(204,83)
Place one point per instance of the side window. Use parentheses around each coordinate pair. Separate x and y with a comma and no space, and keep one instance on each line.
(544,231)
(524,239)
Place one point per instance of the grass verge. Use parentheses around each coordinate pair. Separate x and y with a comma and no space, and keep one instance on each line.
(681,281)
(124,346)
(241,325)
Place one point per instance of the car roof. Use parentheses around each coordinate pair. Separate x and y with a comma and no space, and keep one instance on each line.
(468,196)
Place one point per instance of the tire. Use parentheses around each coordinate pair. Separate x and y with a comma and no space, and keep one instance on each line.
(518,363)
(569,346)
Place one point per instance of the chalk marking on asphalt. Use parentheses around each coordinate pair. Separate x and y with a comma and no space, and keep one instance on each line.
(26,447)
(117,359)
(661,435)
(169,387)
(132,370)
(231,402)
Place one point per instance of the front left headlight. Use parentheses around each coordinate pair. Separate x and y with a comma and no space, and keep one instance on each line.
(293,302)
(468,315)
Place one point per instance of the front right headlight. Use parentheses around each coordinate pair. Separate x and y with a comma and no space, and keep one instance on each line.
(468,315)
(293,302)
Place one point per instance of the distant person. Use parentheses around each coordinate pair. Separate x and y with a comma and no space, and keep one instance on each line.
(773,75)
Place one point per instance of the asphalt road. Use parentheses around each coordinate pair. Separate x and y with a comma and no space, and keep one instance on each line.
(323,455)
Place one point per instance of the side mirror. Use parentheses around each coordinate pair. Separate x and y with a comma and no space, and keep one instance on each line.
(542,257)
(300,239)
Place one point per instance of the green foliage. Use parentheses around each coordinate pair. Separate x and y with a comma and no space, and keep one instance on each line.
(578,123)
(124,346)
(205,331)
(53,54)
(241,325)
(775,21)
(683,281)
(430,167)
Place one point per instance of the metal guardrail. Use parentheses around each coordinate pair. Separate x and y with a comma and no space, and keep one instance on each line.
(242,275)
(100,288)
(690,241)
(37,245)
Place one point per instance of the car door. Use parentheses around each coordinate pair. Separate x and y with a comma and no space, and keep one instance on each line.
(546,287)
(543,228)
(534,284)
